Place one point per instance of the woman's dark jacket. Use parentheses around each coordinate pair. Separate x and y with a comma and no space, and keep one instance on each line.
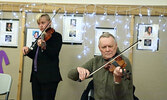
(48,60)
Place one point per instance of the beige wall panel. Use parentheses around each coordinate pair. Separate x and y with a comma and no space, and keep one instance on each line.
(149,68)
(13,56)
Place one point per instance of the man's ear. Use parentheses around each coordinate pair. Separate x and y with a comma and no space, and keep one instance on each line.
(98,46)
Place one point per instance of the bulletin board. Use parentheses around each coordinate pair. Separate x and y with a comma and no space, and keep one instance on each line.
(9,32)
(148,33)
(72,29)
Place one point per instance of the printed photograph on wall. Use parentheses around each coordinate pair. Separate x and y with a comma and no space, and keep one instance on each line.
(9,27)
(32,35)
(148,33)
(98,32)
(72,29)
(9,32)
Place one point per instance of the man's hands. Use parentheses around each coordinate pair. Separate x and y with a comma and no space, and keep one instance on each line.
(118,73)
(83,73)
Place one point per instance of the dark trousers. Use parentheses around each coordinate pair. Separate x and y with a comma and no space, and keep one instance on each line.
(43,91)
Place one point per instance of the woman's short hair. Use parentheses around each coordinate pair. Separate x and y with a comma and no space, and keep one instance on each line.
(42,15)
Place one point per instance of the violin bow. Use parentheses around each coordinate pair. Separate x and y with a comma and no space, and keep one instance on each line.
(131,46)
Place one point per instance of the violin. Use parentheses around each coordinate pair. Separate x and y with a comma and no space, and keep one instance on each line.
(119,61)
(46,36)
(116,61)
(43,35)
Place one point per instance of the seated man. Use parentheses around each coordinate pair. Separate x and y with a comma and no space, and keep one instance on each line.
(107,85)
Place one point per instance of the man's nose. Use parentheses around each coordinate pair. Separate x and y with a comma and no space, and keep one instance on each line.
(107,48)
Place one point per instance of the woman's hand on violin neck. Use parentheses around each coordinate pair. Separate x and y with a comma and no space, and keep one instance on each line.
(118,73)
(25,50)
(83,73)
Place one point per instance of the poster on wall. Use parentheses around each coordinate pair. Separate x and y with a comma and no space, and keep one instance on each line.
(98,32)
(32,35)
(9,32)
(72,29)
(148,33)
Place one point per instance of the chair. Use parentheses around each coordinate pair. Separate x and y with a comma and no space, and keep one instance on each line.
(91,95)
(88,92)
(5,85)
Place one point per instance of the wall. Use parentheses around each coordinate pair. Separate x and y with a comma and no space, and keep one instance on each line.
(13,56)
(68,89)
(149,68)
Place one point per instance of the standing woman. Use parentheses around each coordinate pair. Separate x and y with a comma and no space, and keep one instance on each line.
(45,75)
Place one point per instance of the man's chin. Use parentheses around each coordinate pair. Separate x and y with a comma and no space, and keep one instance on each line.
(108,57)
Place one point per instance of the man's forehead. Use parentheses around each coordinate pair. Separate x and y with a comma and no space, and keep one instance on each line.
(106,39)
